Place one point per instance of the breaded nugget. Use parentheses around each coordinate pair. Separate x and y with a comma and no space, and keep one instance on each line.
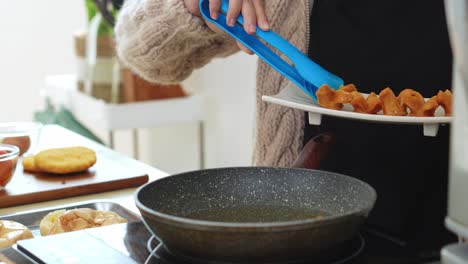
(445,100)
(348,88)
(413,100)
(374,104)
(358,102)
(371,105)
(430,106)
(29,164)
(65,160)
(332,99)
(390,103)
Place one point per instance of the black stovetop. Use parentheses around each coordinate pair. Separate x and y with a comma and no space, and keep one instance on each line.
(131,240)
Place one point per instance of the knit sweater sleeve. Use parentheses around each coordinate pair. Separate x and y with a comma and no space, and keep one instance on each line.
(162,42)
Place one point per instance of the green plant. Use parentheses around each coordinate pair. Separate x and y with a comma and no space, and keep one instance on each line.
(104,28)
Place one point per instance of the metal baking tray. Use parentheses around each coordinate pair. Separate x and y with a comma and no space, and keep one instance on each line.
(31,219)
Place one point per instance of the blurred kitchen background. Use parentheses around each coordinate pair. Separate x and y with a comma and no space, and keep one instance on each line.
(38,43)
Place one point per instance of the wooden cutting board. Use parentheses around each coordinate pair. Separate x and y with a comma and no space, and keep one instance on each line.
(112,171)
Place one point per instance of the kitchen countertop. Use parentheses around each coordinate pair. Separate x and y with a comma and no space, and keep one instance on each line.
(123,197)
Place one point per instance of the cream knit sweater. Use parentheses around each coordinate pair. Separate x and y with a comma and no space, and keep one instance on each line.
(161,41)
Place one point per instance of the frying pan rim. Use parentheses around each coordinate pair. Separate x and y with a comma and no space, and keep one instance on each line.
(209,225)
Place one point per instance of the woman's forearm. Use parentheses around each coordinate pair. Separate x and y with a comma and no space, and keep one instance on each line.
(162,42)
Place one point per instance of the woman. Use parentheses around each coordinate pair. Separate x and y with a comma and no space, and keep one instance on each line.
(373,44)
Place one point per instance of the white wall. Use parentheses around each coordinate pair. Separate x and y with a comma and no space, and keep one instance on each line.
(36,40)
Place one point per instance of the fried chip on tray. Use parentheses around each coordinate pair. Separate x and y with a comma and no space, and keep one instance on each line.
(386,101)
(349,88)
(374,104)
(391,105)
(332,99)
(371,105)
(413,100)
(430,106)
(358,102)
(445,100)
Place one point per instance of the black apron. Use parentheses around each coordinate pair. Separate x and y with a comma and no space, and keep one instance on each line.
(400,44)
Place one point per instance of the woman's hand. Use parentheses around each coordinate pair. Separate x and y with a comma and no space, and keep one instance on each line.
(253,12)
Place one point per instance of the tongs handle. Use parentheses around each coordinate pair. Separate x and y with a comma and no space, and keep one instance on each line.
(256,46)
(305,73)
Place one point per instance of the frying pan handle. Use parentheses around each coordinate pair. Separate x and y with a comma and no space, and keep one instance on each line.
(315,151)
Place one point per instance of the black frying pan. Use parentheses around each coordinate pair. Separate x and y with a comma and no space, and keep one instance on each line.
(254,214)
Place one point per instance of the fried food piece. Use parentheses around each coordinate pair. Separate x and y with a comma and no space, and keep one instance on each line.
(391,105)
(29,164)
(371,105)
(65,160)
(445,100)
(11,232)
(413,100)
(62,221)
(332,99)
(430,106)
(374,104)
(386,101)
(348,88)
(358,102)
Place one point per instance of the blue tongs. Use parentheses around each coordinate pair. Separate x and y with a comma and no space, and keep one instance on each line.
(305,73)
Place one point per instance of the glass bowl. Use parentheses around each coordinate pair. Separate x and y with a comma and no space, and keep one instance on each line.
(8,160)
(24,135)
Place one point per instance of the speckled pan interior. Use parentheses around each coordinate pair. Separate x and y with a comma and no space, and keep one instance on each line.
(229,188)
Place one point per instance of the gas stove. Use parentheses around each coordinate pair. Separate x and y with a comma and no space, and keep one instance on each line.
(132,243)
(362,249)
(347,253)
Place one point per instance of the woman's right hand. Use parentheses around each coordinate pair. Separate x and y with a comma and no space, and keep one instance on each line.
(253,12)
